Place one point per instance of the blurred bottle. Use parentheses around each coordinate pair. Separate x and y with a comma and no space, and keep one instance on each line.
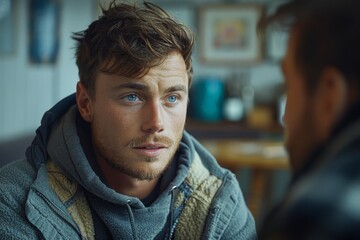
(233,104)
(248,96)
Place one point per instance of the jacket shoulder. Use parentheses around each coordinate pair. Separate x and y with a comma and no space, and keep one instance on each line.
(229,216)
(15,181)
(217,203)
(19,174)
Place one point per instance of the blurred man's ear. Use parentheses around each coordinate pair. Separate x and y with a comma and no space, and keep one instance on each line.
(84,102)
(330,99)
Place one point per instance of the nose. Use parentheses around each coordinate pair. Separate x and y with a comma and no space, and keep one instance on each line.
(153,120)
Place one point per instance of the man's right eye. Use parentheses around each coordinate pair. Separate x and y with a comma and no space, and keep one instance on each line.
(131,97)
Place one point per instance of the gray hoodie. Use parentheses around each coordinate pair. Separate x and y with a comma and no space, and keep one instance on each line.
(60,193)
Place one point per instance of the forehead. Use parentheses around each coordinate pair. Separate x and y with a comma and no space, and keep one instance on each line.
(171,71)
(291,45)
(288,63)
(293,76)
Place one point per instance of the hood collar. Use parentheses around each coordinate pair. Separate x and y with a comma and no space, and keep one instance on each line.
(37,152)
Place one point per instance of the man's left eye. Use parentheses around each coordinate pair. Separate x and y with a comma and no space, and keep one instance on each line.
(172,99)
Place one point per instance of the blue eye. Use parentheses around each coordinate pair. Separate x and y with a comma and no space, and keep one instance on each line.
(131,98)
(172,99)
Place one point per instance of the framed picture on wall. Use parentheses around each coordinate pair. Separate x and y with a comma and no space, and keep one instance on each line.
(228,33)
(44,31)
(6,27)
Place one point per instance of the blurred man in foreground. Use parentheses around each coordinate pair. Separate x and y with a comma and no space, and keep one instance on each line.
(322,117)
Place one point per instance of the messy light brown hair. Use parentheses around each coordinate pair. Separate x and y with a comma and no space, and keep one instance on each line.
(128,40)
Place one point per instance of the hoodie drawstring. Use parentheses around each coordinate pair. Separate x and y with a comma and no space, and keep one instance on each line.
(132,219)
(171,222)
(172,207)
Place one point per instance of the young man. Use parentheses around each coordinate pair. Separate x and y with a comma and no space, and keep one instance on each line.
(114,162)
(322,118)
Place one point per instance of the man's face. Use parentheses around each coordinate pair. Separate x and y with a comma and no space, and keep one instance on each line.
(137,124)
(300,131)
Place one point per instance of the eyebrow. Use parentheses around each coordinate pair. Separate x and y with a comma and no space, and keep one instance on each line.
(143,87)
(177,88)
(131,85)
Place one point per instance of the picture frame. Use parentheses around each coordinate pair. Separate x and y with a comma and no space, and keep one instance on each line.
(7,26)
(44,31)
(228,33)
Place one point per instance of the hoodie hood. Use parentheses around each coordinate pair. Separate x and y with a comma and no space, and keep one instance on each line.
(37,152)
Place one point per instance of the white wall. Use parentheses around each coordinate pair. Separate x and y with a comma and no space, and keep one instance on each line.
(28,90)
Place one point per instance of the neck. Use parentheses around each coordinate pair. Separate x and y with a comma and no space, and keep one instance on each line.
(125,184)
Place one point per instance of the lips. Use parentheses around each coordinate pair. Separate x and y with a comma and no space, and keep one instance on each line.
(150,149)
(151,145)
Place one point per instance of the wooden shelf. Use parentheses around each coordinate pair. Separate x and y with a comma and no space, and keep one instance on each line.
(231,130)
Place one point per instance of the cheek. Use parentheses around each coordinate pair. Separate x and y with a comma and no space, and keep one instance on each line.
(180,116)
(176,120)
(295,105)
(293,115)
(109,121)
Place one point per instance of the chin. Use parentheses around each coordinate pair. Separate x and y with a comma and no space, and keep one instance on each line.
(150,170)
(147,175)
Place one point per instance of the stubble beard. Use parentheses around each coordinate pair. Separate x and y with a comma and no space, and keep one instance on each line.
(139,174)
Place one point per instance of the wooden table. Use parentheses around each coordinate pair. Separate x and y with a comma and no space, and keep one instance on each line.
(259,155)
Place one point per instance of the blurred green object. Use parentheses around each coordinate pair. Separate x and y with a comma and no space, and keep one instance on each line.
(207,98)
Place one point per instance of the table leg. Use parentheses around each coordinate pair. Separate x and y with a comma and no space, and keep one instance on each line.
(256,191)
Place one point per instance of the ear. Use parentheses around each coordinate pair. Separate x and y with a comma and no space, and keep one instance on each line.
(330,98)
(84,102)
